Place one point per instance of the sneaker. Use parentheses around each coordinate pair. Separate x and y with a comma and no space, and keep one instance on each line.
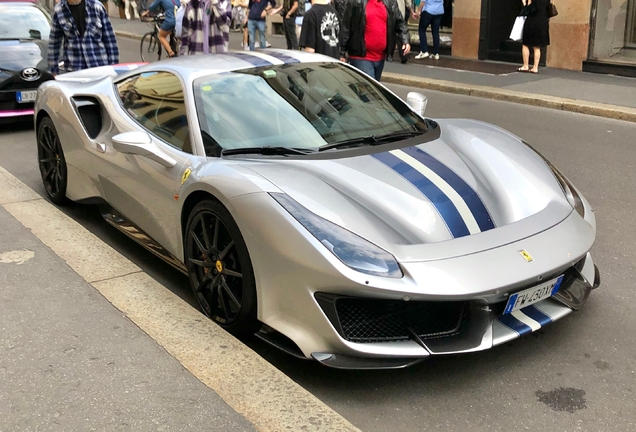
(421,55)
(435,56)
(267,44)
(246,47)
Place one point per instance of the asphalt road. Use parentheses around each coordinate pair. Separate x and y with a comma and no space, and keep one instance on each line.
(578,374)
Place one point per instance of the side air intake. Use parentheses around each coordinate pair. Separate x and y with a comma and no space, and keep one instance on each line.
(90,113)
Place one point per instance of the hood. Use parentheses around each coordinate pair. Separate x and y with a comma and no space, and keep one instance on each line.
(17,55)
(476,184)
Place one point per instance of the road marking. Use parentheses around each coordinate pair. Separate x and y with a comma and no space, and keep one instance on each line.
(265,396)
(17,257)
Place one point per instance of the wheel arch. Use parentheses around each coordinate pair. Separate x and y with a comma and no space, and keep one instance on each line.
(39,117)
(190,202)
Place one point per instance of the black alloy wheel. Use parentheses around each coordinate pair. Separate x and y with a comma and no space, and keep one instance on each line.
(52,162)
(220,269)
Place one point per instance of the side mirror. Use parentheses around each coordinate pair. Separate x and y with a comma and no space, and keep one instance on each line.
(417,102)
(139,143)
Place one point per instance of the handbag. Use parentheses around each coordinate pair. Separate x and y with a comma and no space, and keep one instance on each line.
(552,10)
(517,29)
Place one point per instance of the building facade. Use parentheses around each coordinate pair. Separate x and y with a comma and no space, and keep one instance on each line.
(595,35)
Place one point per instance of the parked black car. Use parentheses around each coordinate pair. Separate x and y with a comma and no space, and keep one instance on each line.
(24,39)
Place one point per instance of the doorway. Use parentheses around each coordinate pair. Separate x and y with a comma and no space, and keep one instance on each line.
(630,31)
(497,19)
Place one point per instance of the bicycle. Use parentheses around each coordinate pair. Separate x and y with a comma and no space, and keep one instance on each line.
(150,47)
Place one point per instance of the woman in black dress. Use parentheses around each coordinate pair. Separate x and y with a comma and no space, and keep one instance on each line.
(536,33)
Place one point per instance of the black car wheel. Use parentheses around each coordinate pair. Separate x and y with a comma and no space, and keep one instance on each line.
(52,162)
(220,269)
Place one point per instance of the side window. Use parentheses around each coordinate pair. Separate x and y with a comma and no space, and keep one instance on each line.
(155,100)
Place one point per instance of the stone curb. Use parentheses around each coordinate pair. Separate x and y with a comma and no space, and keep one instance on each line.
(129,35)
(544,101)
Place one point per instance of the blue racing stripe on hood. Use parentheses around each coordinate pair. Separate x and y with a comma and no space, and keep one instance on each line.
(254,60)
(468,194)
(442,203)
(282,57)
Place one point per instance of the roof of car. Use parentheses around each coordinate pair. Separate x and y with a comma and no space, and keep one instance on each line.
(237,60)
(193,67)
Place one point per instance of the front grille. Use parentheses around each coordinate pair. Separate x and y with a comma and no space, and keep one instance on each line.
(14,106)
(9,103)
(370,320)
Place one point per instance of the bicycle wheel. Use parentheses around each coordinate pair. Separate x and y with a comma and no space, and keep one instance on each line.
(150,48)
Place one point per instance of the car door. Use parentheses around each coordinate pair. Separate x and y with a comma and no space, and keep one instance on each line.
(140,188)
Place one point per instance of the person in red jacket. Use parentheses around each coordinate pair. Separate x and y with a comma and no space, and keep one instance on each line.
(368,29)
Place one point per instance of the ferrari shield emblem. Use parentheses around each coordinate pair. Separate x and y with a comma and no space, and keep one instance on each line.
(185,175)
(526,255)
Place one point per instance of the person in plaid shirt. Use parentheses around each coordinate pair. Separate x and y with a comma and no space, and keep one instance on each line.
(81,36)
(206,27)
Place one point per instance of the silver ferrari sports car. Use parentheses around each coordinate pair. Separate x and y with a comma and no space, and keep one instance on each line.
(310,205)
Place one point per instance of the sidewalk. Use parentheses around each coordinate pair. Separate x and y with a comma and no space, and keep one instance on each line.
(70,361)
(595,94)
(90,341)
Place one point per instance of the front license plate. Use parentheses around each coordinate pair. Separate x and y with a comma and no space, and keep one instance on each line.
(26,96)
(532,295)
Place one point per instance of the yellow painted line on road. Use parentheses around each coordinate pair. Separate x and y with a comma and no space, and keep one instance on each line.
(269,399)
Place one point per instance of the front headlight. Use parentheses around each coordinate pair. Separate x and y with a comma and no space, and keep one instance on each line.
(354,251)
(568,189)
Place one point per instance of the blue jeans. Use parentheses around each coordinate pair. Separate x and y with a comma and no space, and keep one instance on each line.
(434,21)
(252,26)
(372,68)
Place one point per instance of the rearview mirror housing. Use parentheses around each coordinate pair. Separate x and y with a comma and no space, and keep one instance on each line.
(141,144)
(417,102)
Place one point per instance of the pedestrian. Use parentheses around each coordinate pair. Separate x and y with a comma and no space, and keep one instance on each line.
(321,29)
(432,15)
(536,33)
(406,8)
(206,27)
(303,7)
(258,10)
(167,7)
(289,12)
(81,36)
(240,19)
(367,29)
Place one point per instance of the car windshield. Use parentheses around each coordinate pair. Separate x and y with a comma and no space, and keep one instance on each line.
(23,21)
(301,106)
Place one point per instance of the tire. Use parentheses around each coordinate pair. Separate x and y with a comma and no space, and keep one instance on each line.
(52,162)
(220,269)
(150,48)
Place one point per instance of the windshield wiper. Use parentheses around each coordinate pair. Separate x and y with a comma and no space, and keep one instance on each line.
(370,140)
(268,151)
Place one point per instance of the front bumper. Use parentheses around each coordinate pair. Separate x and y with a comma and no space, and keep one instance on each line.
(476,327)
(294,275)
